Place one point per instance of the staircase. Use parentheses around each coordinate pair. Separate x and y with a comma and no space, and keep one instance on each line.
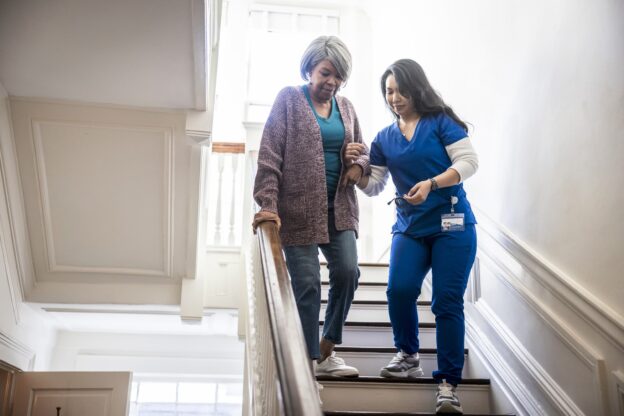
(368,345)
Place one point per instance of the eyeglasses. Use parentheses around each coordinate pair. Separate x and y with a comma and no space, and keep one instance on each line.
(399,201)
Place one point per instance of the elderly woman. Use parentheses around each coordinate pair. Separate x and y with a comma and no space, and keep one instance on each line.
(310,157)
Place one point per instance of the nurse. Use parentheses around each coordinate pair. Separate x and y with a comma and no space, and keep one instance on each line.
(429,155)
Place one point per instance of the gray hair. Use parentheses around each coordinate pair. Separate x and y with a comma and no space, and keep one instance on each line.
(330,48)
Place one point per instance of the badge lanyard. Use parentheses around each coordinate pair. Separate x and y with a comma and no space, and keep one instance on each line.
(453,221)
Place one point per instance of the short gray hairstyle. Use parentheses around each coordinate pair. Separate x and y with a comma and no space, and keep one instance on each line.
(330,48)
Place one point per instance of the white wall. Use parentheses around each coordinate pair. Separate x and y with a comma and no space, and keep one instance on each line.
(136,53)
(26,337)
(542,84)
(215,356)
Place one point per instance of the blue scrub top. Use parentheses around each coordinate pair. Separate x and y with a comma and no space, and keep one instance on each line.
(421,158)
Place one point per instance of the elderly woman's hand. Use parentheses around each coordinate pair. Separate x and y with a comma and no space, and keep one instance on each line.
(263,216)
(352,175)
(352,152)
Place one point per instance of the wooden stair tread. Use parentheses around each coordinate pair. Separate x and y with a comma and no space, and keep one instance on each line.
(352,324)
(356,413)
(379,302)
(420,380)
(360,284)
(363,264)
(384,350)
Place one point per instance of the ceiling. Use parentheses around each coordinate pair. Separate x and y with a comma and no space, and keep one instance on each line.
(136,319)
(136,53)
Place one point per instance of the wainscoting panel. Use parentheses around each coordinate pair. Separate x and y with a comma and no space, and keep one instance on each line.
(108,193)
(105,189)
(557,358)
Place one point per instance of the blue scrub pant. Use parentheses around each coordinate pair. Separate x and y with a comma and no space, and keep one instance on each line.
(305,275)
(450,256)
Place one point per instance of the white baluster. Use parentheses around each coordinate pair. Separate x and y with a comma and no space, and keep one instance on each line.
(217,235)
(231,236)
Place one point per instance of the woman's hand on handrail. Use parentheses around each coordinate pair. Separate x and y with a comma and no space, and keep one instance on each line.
(263,216)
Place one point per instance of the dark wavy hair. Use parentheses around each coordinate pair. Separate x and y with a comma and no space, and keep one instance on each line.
(413,83)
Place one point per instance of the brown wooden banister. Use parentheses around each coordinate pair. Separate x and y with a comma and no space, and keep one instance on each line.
(296,382)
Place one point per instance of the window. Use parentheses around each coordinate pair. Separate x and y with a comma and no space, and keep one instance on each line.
(186,398)
(278,38)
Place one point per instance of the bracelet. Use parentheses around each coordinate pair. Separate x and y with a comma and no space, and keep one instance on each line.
(434,184)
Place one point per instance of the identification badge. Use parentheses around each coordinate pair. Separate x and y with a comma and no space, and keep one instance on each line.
(452,222)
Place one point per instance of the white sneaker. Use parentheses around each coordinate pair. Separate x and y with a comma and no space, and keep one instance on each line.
(447,401)
(403,365)
(335,366)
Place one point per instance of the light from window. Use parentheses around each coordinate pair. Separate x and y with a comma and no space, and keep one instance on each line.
(198,393)
(186,399)
(278,38)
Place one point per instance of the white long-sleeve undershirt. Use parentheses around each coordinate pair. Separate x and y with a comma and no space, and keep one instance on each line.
(464,161)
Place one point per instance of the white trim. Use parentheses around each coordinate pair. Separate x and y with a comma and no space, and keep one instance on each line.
(15,300)
(577,298)
(501,372)
(474,282)
(584,352)
(17,296)
(618,377)
(46,214)
(547,384)
(260,7)
(198,29)
(20,355)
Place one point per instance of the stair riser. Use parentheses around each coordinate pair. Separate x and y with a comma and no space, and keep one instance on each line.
(382,337)
(373,293)
(370,364)
(397,397)
(367,274)
(378,313)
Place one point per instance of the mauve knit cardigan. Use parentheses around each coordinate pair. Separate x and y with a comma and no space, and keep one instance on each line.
(290,179)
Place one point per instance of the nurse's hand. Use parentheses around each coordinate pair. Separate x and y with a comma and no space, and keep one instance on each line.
(352,176)
(352,152)
(419,193)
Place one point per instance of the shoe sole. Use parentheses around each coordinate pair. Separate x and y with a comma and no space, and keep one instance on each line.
(411,373)
(448,408)
(339,373)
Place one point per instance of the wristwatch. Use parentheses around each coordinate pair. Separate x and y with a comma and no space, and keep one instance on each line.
(434,184)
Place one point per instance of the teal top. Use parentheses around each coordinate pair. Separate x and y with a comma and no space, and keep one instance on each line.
(333,134)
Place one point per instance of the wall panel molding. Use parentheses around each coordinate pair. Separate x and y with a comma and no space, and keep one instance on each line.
(13,294)
(574,296)
(108,195)
(16,353)
(532,300)
(44,196)
(502,371)
(9,243)
(549,386)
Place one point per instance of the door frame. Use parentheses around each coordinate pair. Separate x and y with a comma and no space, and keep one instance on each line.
(7,386)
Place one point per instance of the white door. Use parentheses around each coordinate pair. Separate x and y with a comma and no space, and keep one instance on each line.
(71,393)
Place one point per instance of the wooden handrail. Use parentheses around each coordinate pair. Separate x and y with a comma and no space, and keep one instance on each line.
(228,147)
(296,381)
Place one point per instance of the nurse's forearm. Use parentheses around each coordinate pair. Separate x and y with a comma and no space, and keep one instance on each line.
(448,178)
